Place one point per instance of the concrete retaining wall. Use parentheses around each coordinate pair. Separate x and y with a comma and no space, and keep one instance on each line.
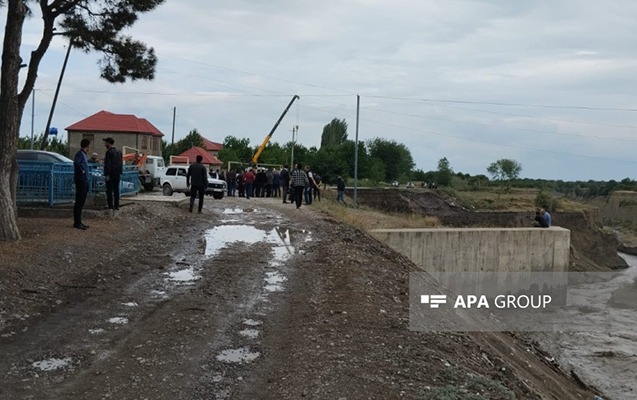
(482,249)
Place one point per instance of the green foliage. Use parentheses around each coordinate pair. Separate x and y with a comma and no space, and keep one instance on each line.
(334,133)
(467,386)
(54,144)
(444,172)
(98,25)
(395,157)
(545,198)
(505,169)
(193,139)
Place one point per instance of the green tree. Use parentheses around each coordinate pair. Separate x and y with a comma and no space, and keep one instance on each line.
(193,139)
(334,133)
(55,145)
(396,158)
(235,149)
(505,169)
(444,172)
(89,25)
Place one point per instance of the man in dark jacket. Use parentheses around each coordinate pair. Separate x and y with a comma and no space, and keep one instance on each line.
(197,181)
(112,173)
(285,182)
(80,177)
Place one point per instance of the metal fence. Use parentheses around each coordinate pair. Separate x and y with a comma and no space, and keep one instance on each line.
(52,183)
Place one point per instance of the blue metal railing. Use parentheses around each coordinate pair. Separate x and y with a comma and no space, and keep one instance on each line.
(52,183)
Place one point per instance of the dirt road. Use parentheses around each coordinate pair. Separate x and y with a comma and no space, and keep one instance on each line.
(252,299)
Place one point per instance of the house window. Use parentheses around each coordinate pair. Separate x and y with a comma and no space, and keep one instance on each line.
(155,144)
(144,143)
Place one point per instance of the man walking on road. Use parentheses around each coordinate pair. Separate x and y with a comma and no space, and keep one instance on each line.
(197,181)
(80,176)
(112,173)
(299,181)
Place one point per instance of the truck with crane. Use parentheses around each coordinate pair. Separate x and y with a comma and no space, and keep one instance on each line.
(150,167)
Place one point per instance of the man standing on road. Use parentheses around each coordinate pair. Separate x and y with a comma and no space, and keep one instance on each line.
(80,176)
(197,181)
(299,181)
(231,179)
(112,173)
(248,181)
(285,182)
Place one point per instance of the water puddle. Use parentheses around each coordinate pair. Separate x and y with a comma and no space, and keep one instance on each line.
(233,211)
(96,331)
(274,281)
(52,364)
(239,355)
(118,320)
(221,236)
(130,304)
(249,333)
(251,322)
(184,276)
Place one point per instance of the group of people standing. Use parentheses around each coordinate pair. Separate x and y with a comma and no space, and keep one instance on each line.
(296,185)
(112,177)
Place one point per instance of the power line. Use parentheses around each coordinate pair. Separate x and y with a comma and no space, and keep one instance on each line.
(503,104)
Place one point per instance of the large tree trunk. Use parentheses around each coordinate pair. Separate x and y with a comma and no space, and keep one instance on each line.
(10,117)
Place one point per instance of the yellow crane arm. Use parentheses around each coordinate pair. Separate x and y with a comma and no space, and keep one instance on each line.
(255,157)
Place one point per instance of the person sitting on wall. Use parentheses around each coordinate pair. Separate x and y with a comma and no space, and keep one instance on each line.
(541,221)
(547,217)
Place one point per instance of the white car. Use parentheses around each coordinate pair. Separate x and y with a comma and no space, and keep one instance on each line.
(174,180)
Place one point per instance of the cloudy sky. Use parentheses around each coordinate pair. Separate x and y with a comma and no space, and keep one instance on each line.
(551,84)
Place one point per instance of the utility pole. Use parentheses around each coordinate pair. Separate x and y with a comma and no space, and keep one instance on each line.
(358,104)
(55,97)
(172,143)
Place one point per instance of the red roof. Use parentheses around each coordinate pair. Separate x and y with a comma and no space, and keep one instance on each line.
(211,146)
(193,152)
(105,121)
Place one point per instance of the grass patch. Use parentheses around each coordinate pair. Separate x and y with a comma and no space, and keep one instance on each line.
(467,386)
(367,218)
(511,199)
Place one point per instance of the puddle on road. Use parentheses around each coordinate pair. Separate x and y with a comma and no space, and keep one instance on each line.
(221,236)
(274,281)
(249,333)
(52,364)
(233,211)
(183,276)
(118,320)
(130,304)
(96,331)
(251,322)
(239,355)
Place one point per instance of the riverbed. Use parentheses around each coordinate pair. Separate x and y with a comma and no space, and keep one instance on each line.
(603,352)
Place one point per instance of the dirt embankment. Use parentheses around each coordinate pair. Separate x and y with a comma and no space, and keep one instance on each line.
(338,329)
(592,248)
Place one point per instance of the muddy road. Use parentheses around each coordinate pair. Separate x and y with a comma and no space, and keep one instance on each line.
(253,299)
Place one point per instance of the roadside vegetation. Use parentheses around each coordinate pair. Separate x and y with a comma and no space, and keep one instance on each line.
(366,218)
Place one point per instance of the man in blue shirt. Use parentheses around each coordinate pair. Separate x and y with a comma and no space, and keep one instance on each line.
(80,176)
(546,216)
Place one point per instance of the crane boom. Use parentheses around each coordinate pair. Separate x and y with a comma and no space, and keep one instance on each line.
(255,157)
